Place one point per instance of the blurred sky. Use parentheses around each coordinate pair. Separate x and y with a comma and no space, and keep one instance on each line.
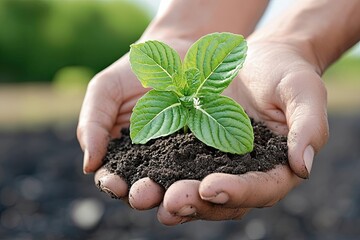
(274,9)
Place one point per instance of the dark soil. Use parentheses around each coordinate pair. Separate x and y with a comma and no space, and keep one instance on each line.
(182,156)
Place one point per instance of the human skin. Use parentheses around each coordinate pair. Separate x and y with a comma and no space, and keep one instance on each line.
(279,84)
(113,92)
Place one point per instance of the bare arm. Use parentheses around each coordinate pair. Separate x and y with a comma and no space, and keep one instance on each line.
(195,18)
(289,55)
(324,28)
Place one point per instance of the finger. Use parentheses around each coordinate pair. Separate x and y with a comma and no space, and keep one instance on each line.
(182,203)
(111,183)
(250,190)
(306,112)
(97,117)
(145,194)
(276,121)
(170,219)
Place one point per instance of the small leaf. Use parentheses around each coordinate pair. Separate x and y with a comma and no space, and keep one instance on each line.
(155,64)
(187,101)
(156,114)
(193,79)
(219,56)
(221,123)
(179,82)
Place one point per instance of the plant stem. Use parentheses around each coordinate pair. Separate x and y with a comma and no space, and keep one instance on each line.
(186,129)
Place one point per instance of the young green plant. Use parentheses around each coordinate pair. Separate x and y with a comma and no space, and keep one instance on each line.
(187,94)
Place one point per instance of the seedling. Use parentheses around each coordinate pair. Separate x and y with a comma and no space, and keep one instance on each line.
(187,95)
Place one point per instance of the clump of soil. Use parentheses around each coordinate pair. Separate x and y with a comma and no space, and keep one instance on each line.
(182,156)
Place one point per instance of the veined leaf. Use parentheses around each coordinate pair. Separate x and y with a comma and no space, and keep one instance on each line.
(178,81)
(156,114)
(221,123)
(155,64)
(219,57)
(193,79)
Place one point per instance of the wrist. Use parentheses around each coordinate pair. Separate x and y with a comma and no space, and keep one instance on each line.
(298,44)
(321,30)
(192,19)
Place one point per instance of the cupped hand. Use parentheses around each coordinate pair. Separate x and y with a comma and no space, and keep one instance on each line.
(281,85)
(108,104)
(277,85)
(106,109)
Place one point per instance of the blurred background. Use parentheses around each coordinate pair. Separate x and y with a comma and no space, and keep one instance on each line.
(50,49)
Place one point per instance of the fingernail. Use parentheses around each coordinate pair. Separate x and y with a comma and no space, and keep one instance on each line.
(187,210)
(110,193)
(220,198)
(309,158)
(102,185)
(186,220)
(86,161)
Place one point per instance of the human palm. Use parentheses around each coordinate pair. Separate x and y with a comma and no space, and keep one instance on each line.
(281,87)
(275,86)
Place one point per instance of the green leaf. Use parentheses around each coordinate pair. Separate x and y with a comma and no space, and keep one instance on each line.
(221,123)
(156,114)
(193,79)
(155,64)
(179,83)
(219,57)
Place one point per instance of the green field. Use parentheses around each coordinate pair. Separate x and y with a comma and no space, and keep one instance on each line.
(343,84)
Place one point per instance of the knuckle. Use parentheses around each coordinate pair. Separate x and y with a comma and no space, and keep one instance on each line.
(95,81)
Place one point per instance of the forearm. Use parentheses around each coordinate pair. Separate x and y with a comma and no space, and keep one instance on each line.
(325,29)
(192,19)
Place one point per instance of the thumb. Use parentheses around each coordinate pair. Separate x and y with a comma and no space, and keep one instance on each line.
(307,120)
(96,121)
(93,140)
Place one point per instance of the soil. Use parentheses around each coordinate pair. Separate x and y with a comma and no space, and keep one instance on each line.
(182,156)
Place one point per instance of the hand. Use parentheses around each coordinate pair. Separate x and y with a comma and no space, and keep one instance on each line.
(271,91)
(281,86)
(106,109)
(217,197)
